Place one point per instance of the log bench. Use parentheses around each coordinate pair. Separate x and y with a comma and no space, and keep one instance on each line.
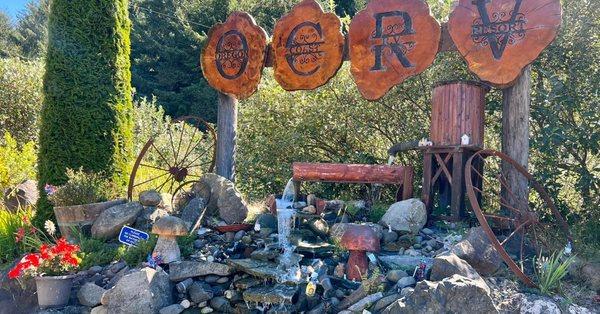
(355,173)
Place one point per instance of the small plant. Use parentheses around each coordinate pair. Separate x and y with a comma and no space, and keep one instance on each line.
(136,255)
(551,270)
(51,260)
(17,163)
(82,188)
(17,234)
(95,252)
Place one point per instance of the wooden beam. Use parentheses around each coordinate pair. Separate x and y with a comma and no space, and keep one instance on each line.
(349,173)
(226,136)
(515,132)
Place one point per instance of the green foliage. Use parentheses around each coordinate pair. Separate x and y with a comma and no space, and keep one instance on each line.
(17,234)
(86,120)
(31,29)
(83,188)
(377,211)
(550,271)
(96,252)
(17,164)
(135,255)
(186,245)
(20,98)
(8,46)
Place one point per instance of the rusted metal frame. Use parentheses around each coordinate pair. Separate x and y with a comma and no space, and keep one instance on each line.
(443,168)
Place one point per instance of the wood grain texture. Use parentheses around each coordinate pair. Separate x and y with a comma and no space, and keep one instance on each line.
(234,55)
(457,108)
(227,118)
(349,173)
(390,41)
(308,47)
(498,38)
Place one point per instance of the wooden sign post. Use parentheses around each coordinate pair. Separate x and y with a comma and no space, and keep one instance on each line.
(308,46)
(391,41)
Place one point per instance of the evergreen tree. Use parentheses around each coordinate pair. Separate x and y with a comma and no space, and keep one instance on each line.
(86,118)
(8,46)
(32,29)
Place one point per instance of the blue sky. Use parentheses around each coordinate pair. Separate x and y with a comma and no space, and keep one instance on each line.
(12,7)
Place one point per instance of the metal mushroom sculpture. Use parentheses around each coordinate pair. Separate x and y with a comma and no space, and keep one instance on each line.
(359,240)
(168,229)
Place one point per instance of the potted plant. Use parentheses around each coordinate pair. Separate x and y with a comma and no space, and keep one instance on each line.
(52,267)
(81,200)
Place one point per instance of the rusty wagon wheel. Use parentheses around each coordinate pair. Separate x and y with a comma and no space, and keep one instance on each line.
(520,227)
(184,152)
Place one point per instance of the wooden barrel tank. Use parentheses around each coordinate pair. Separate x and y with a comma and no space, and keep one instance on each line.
(457,109)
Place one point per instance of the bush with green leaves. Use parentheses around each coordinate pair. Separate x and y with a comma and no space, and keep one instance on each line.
(550,271)
(86,120)
(83,188)
(17,234)
(17,163)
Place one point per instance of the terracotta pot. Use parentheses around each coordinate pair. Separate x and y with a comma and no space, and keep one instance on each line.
(53,291)
(80,216)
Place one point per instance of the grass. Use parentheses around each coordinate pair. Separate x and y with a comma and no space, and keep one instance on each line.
(550,272)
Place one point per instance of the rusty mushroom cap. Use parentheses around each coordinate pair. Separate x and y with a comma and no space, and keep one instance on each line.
(360,238)
(170,226)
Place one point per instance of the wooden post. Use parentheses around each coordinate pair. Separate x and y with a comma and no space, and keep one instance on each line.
(515,132)
(226,136)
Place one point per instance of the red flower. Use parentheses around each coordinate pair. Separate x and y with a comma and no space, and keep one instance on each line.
(70,259)
(33,259)
(44,251)
(20,235)
(15,272)
(25,219)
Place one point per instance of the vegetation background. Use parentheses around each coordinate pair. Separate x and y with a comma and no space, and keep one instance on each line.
(332,123)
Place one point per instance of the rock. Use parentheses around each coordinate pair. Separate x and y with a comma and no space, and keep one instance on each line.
(200,292)
(23,195)
(448,265)
(271,294)
(311,199)
(172,309)
(385,302)
(94,270)
(364,302)
(191,211)
(220,304)
(267,221)
(389,236)
(206,310)
(406,263)
(406,216)
(141,291)
(319,226)
(185,303)
(406,282)
(456,294)
(406,291)
(211,279)
(310,209)
(99,310)
(109,223)
(395,274)
(245,283)
(222,280)
(150,198)
(531,304)
(239,235)
(427,231)
(588,272)
(232,208)
(188,269)
(477,250)
(90,294)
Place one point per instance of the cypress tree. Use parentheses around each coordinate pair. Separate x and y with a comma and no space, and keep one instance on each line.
(86,119)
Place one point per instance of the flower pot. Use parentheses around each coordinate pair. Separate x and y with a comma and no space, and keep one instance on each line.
(80,217)
(53,291)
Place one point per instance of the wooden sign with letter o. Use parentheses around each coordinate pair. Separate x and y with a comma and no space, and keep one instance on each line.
(391,40)
(308,47)
(498,38)
(234,56)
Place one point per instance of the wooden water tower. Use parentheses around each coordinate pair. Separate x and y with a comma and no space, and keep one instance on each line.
(457,130)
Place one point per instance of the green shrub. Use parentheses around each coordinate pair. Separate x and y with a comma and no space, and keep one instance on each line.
(86,119)
(135,255)
(550,271)
(17,164)
(17,234)
(83,188)
(96,252)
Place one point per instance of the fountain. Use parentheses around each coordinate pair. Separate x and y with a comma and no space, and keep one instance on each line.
(285,222)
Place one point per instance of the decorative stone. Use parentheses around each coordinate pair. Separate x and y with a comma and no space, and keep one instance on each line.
(90,294)
(478,251)
(448,265)
(319,226)
(273,294)
(389,236)
(150,198)
(172,309)
(406,216)
(188,269)
(406,282)
(220,304)
(200,292)
(109,222)
(232,208)
(23,195)
(395,274)
(168,229)
(267,221)
(142,291)
(191,211)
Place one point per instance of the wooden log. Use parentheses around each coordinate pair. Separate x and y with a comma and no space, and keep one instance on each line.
(498,38)
(226,136)
(390,41)
(458,108)
(515,135)
(308,47)
(349,173)
(234,55)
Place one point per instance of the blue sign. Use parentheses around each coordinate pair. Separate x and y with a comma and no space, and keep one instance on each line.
(131,237)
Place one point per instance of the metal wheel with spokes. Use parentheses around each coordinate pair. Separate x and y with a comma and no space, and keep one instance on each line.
(520,227)
(184,152)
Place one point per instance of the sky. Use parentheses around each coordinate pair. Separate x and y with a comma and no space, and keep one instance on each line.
(12,7)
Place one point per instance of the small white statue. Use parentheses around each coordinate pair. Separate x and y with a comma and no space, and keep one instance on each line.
(465,140)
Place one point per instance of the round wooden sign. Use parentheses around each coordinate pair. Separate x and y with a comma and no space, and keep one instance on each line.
(308,46)
(234,55)
(391,40)
(498,38)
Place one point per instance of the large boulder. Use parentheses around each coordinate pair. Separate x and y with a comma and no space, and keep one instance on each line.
(477,250)
(447,265)
(90,294)
(536,304)
(109,223)
(192,210)
(456,294)
(406,216)
(142,291)
(23,195)
(223,198)
(150,198)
